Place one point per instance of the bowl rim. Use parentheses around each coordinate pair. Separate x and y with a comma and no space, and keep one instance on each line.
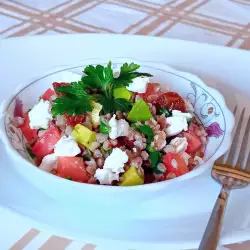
(222,148)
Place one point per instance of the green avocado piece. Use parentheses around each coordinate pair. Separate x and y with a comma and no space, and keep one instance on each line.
(139,112)
(122,93)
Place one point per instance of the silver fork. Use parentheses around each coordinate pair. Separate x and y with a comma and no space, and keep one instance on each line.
(231,173)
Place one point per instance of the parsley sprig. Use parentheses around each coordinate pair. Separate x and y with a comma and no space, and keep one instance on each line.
(102,78)
(76,101)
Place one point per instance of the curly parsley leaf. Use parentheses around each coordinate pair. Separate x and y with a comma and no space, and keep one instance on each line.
(75,100)
(112,105)
(147,131)
(73,89)
(127,74)
(99,77)
(104,128)
(71,105)
(129,68)
(122,105)
(107,105)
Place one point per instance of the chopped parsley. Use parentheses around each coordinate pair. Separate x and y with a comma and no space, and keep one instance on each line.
(154,158)
(104,128)
(147,131)
(165,111)
(41,129)
(68,177)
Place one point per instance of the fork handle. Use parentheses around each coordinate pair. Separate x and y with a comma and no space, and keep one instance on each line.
(212,233)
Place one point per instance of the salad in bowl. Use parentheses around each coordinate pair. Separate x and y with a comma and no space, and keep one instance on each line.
(113,128)
(109,129)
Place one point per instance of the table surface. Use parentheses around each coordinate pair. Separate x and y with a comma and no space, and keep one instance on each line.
(221,22)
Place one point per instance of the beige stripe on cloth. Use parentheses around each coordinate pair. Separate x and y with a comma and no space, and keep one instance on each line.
(25,240)
(89,247)
(55,243)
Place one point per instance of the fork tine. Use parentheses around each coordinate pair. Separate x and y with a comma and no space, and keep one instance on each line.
(243,149)
(235,109)
(221,160)
(231,155)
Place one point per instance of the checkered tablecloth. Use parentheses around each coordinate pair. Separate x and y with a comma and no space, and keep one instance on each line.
(222,22)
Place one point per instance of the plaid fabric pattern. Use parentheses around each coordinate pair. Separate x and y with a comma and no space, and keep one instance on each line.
(223,22)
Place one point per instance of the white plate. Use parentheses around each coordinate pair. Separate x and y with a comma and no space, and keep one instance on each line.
(157,224)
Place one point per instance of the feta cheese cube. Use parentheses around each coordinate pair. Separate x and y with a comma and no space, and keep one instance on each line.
(118,128)
(105,176)
(139,85)
(67,146)
(40,115)
(179,113)
(49,163)
(116,160)
(176,125)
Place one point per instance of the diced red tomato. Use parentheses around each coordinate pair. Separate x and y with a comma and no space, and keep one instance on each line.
(73,168)
(29,134)
(175,164)
(194,142)
(59,84)
(72,120)
(46,143)
(171,101)
(47,94)
(152,92)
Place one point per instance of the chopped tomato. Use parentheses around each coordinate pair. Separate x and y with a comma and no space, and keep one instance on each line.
(73,168)
(72,120)
(194,142)
(152,92)
(175,164)
(47,94)
(59,84)
(29,133)
(171,101)
(46,143)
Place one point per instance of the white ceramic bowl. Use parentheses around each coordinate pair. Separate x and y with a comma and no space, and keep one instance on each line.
(209,107)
